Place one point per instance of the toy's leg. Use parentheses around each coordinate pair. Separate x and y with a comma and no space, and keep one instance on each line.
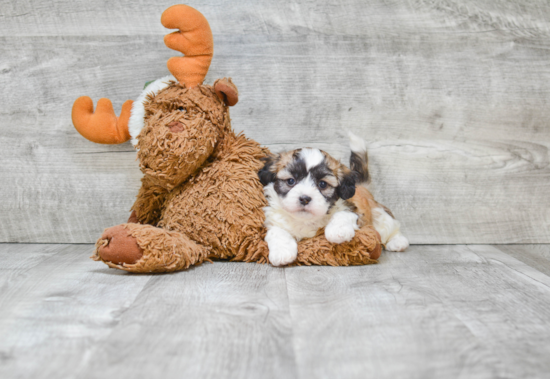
(364,248)
(145,248)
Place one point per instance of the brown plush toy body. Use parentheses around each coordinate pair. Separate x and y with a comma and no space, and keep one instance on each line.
(200,198)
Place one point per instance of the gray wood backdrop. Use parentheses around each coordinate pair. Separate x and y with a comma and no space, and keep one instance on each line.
(451,95)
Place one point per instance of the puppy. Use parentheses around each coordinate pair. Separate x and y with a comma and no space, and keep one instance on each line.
(307,190)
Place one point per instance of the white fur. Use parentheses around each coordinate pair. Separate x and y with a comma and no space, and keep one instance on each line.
(397,243)
(312,157)
(283,248)
(299,224)
(342,227)
(389,231)
(356,144)
(136,121)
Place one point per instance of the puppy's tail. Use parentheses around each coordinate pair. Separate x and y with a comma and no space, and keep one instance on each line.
(359,159)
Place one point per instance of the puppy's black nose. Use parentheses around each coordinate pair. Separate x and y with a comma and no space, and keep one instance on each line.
(304,200)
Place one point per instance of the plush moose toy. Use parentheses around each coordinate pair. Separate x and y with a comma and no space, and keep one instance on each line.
(200,197)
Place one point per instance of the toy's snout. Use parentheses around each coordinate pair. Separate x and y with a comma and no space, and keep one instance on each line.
(175,127)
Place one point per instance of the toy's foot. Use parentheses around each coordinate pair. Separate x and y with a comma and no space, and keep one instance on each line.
(145,248)
(377,251)
(118,246)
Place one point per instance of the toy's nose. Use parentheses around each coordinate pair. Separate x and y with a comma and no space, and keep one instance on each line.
(175,127)
(304,200)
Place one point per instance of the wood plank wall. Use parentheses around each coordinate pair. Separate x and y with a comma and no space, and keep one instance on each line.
(451,95)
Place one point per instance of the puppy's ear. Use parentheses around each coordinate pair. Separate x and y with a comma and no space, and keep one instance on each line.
(346,186)
(267,174)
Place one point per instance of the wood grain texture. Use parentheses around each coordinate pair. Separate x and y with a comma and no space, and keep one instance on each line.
(433,312)
(452,97)
(55,305)
(536,256)
(223,320)
(127,17)
(63,315)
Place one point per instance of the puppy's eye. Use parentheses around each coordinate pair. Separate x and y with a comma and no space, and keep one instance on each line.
(291,181)
(181,109)
(323,184)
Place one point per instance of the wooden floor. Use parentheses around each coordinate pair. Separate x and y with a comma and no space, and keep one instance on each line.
(476,311)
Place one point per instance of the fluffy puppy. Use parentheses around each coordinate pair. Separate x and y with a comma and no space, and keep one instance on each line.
(307,190)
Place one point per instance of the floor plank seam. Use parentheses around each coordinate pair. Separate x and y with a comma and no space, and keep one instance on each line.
(292,334)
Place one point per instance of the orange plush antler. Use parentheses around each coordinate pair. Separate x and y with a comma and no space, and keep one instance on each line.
(103,126)
(194,40)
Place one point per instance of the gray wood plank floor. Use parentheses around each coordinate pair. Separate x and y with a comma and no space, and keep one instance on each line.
(463,311)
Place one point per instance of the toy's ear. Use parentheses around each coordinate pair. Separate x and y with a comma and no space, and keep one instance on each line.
(346,186)
(267,174)
(227,91)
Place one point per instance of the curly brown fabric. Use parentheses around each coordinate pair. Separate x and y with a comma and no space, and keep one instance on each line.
(363,249)
(201,198)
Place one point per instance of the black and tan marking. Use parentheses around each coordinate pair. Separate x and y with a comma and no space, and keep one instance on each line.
(359,163)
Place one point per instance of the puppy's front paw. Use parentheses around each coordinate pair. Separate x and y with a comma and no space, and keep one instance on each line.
(339,232)
(398,243)
(283,253)
(283,248)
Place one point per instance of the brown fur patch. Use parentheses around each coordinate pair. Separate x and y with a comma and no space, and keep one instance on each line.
(359,163)
(363,202)
(283,160)
(336,166)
